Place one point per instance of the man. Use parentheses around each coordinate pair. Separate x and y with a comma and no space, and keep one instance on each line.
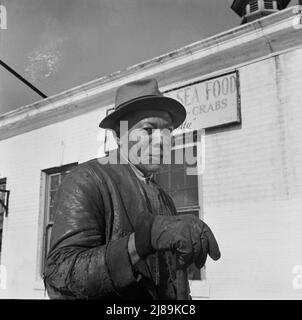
(116,233)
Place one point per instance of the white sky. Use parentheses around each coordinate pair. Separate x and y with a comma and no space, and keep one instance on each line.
(58,44)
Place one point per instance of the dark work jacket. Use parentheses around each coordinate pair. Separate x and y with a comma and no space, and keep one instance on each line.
(95,210)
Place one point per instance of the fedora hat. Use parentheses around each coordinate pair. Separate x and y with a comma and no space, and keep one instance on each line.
(143,95)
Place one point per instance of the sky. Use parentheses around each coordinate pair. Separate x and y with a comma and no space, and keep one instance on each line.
(59,44)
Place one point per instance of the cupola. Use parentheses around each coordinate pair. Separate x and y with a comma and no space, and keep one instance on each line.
(251,10)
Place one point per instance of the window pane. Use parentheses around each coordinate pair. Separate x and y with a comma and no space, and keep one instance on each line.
(191,180)
(54,182)
(177,167)
(64,174)
(52,197)
(191,197)
(177,180)
(51,213)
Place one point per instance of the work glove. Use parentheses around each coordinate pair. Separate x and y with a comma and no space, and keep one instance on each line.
(186,235)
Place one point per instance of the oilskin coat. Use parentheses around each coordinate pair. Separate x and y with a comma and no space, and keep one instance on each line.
(95,210)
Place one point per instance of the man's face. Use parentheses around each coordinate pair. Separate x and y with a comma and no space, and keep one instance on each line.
(149,140)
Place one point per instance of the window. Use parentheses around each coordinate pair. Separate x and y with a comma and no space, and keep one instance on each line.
(54,177)
(181,186)
(2,211)
(174,178)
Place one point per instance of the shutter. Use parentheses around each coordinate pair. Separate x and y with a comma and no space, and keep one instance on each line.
(254,6)
(268,4)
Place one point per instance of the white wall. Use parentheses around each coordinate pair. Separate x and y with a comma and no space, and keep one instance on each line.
(252,186)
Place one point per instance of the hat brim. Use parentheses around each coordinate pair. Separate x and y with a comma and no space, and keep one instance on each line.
(175,108)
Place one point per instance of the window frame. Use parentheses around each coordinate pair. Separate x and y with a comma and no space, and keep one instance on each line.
(46,222)
(183,145)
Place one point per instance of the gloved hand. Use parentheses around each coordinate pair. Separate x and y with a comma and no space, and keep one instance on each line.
(186,235)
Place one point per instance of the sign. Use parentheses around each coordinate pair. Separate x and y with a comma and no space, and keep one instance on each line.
(210,103)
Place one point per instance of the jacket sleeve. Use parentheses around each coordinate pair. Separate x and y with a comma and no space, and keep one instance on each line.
(80,263)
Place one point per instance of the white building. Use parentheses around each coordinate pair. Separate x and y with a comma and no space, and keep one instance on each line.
(250,192)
